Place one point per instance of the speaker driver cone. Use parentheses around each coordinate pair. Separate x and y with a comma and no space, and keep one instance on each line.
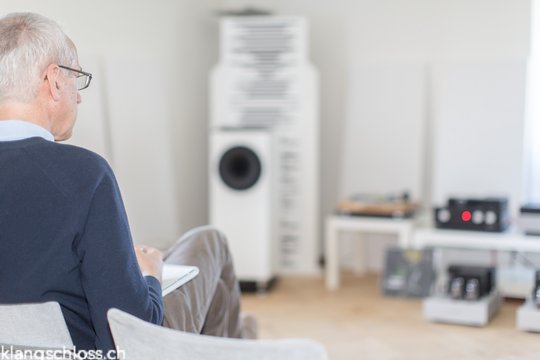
(240,168)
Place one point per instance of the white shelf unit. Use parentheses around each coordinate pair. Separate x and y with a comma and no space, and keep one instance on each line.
(335,224)
(509,241)
(413,234)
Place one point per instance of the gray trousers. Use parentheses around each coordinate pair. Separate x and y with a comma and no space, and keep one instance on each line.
(210,303)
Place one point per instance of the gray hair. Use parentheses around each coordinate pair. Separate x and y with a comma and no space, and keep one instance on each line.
(28,44)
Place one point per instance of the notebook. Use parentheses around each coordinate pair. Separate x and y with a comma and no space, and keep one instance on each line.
(175,276)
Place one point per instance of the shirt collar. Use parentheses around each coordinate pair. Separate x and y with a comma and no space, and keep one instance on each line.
(12,130)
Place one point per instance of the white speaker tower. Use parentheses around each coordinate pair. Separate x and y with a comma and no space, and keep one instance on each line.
(264,187)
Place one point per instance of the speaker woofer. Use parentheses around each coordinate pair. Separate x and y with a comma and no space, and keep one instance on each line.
(240,168)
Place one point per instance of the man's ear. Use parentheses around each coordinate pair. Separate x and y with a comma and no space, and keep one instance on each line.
(52,81)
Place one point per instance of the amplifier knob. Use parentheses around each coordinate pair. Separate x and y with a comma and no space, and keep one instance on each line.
(478,217)
(443,215)
(491,217)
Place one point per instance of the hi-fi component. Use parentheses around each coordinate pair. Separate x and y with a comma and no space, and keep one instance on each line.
(489,214)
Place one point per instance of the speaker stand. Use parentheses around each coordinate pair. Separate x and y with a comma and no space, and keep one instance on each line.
(257,286)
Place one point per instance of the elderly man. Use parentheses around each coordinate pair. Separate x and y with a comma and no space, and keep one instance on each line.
(63,228)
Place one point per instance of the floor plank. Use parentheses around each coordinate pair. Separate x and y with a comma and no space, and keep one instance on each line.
(357,322)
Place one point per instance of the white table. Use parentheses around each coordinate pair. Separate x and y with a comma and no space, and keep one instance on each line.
(360,224)
(475,240)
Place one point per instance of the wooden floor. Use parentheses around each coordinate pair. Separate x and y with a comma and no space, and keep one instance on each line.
(357,322)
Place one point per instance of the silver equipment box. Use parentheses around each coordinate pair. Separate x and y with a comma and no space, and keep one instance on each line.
(441,308)
(528,316)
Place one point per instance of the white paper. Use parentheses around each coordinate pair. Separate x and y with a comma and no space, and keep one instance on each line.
(175,276)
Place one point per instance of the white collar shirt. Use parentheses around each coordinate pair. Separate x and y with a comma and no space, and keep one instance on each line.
(13,130)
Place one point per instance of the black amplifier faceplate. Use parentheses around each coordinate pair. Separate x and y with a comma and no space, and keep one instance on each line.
(489,214)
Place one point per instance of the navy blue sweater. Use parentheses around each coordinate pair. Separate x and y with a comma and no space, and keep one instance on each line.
(64,236)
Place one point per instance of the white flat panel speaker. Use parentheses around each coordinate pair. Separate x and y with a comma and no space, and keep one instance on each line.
(142,148)
(479,111)
(242,194)
(532,126)
(383,148)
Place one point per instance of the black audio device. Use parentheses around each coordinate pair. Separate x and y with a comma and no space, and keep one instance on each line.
(483,214)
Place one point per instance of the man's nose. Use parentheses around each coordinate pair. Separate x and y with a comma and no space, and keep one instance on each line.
(79,99)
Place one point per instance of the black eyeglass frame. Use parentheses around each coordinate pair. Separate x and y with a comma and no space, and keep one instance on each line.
(81,73)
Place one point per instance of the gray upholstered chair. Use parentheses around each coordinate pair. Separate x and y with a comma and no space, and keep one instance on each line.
(33,328)
(41,327)
(141,340)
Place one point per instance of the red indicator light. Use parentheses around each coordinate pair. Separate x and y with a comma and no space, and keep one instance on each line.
(466,216)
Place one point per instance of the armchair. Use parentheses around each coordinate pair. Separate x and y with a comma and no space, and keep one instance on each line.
(142,341)
(33,328)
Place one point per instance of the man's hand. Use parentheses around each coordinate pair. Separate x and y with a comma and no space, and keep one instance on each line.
(150,260)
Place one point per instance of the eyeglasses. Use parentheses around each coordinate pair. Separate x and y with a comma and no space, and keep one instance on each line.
(83,78)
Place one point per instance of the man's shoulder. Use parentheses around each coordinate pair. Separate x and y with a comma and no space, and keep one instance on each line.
(69,157)
(81,156)
(70,167)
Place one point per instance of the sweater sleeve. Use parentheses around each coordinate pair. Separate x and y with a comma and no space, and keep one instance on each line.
(110,274)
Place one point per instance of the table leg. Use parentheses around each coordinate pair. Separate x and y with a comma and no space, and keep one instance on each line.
(332,256)
(360,261)
(405,238)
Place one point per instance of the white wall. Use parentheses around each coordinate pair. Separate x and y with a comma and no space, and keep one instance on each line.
(179,39)
(146,108)
(348,36)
